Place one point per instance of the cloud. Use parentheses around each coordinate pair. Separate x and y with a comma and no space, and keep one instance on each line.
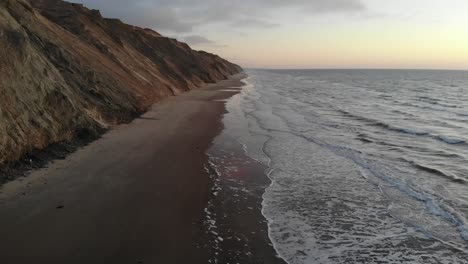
(197,40)
(182,16)
(161,19)
(253,22)
(320,6)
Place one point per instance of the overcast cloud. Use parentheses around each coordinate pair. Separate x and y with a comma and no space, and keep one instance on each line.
(182,16)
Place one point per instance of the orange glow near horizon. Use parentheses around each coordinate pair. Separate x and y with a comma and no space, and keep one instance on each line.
(396,48)
(433,37)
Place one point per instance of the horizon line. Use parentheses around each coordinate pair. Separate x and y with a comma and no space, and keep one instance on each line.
(366,69)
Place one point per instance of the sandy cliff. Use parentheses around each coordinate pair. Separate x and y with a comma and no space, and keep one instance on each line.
(66,72)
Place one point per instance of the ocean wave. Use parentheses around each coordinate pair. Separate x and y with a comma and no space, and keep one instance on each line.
(365,140)
(450,85)
(435,101)
(433,204)
(400,112)
(433,170)
(406,130)
(431,107)
(427,99)
(450,140)
(411,131)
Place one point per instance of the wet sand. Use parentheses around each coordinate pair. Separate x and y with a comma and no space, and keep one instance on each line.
(236,206)
(137,195)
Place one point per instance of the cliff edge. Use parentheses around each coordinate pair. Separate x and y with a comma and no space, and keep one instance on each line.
(66,73)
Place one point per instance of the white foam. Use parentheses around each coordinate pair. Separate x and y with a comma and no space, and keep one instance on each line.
(330,203)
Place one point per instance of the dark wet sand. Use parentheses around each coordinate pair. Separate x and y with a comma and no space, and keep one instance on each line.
(137,195)
(237,205)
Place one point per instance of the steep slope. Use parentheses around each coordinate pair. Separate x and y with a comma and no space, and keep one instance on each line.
(67,72)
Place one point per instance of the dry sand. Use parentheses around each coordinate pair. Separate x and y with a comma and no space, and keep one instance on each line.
(136,195)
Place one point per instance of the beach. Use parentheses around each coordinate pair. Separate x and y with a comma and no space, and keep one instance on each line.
(136,195)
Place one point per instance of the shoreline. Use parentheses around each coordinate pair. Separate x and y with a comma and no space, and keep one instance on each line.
(240,233)
(237,224)
(106,203)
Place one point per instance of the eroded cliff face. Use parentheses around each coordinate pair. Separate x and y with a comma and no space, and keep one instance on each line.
(67,72)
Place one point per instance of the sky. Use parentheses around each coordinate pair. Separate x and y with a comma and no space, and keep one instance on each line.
(403,34)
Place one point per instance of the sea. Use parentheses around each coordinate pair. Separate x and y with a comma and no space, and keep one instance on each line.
(366,166)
